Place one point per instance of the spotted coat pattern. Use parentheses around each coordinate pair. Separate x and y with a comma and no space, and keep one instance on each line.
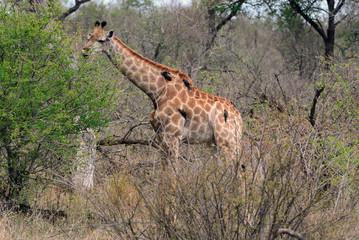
(182,112)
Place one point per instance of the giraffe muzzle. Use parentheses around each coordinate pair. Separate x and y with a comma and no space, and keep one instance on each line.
(84,52)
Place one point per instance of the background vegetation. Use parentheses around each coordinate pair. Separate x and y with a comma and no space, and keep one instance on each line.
(290,67)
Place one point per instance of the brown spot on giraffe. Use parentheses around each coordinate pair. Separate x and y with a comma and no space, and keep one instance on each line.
(176,102)
(207,107)
(183,96)
(191,94)
(191,103)
(134,68)
(179,88)
(128,62)
(197,110)
(153,87)
(181,111)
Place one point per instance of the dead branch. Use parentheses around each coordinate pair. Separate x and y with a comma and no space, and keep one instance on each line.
(133,127)
(281,89)
(290,232)
(312,110)
(112,142)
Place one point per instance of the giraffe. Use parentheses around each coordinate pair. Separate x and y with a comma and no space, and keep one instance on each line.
(181,112)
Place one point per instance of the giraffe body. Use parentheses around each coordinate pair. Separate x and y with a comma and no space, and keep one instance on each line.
(182,113)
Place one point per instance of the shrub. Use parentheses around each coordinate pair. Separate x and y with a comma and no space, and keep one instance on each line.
(46,97)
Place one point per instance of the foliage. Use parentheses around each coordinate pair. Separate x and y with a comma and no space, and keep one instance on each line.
(46,97)
(137,4)
(296,176)
(287,12)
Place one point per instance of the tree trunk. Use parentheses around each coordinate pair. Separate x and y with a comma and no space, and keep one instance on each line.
(85,161)
(17,178)
(329,46)
(329,41)
(329,52)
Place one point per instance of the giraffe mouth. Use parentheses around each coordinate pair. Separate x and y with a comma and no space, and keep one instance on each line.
(84,53)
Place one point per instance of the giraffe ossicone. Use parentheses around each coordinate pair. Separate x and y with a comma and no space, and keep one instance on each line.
(182,112)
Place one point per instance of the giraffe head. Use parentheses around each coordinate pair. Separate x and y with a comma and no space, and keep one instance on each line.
(98,40)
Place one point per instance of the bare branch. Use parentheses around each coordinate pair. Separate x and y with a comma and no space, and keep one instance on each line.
(133,127)
(111,142)
(314,104)
(339,6)
(307,18)
(213,28)
(233,13)
(281,89)
(72,9)
(290,232)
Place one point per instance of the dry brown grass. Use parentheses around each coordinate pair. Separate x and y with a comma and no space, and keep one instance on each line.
(77,224)
(19,226)
(296,176)
(286,184)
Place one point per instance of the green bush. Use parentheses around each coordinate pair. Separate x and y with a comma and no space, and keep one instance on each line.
(46,97)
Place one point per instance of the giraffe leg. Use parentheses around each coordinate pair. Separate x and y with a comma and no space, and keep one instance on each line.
(168,181)
(227,153)
(171,148)
(169,126)
(227,135)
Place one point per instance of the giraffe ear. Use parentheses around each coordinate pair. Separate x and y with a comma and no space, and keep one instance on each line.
(110,34)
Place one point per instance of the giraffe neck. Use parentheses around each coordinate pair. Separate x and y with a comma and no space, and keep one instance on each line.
(142,72)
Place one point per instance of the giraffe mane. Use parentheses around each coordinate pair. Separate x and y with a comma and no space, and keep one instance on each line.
(162,67)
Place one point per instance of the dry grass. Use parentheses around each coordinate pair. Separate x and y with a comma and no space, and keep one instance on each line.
(296,176)
(286,184)
(78,222)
